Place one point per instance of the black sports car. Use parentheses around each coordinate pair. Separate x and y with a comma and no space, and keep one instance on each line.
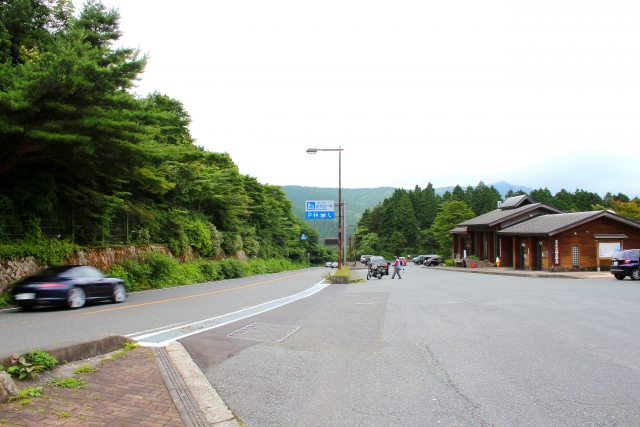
(71,286)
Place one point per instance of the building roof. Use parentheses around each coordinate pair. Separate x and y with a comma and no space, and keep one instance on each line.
(553,224)
(499,215)
(516,202)
(610,236)
(548,224)
(458,230)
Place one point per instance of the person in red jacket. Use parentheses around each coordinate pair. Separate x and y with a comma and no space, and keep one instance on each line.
(396,268)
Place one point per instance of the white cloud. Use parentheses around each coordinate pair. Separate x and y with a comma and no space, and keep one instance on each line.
(538,93)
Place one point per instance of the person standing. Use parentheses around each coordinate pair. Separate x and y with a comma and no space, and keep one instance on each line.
(396,269)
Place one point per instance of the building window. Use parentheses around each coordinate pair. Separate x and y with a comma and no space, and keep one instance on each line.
(575,260)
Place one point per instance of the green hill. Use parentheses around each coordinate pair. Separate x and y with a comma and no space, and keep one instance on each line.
(357,199)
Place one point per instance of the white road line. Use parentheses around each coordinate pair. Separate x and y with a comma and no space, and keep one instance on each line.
(188,330)
(154,329)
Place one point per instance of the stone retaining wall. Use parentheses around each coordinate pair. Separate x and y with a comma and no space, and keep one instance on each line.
(103,259)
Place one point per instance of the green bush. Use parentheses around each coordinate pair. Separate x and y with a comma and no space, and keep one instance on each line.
(210,270)
(45,251)
(449,263)
(157,270)
(162,269)
(138,273)
(5,299)
(119,272)
(42,359)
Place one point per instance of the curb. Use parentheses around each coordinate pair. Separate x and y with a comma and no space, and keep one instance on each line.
(215,411)
(81,350)
(507,273)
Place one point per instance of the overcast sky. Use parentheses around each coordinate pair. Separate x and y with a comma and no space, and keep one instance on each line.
(536,93)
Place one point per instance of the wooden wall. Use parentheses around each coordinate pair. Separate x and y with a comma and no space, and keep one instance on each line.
(583,237)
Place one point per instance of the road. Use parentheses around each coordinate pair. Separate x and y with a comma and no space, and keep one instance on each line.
(48,327)
(435,348)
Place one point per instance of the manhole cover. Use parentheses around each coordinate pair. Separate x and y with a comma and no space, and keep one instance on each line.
(259,331)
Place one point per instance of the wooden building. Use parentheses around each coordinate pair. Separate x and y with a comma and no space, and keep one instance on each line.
(533,236)
(569,241)
(478,236)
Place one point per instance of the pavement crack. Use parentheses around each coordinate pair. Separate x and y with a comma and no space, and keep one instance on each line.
(450,383)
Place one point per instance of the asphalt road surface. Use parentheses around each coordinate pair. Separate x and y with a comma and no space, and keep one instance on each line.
(47,327)
(435,349)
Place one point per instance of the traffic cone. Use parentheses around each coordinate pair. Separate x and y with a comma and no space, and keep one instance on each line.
(473,264)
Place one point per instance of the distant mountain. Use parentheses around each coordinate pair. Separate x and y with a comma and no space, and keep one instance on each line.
(503,187)
(357,199)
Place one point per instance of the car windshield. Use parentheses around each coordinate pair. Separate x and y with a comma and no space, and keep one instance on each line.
(619,255)
(53,271)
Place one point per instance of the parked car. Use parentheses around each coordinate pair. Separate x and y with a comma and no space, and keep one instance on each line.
(71,286)
(625,263)
(327,264)
(334,264)
(382,262)
(365,259)
(431,261)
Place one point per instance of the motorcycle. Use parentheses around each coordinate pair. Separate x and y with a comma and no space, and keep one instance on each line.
(375,270)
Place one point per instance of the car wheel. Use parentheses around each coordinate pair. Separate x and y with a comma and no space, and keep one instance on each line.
(119,293)
(635,275)
(76,298)
(619,277)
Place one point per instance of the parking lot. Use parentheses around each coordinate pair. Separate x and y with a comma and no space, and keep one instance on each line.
(448,348)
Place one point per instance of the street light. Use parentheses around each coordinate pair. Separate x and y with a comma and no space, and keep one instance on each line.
(340,219)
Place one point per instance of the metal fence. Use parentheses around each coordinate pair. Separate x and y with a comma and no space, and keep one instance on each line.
(64,225)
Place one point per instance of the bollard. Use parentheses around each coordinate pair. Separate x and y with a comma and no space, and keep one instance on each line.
(497,262)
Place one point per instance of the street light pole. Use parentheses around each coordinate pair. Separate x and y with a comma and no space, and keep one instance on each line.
(340,219)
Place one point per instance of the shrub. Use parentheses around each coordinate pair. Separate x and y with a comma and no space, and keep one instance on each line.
(161,269)
(42,359)
(210,270)
(138,273)
(119,272)
(5,299)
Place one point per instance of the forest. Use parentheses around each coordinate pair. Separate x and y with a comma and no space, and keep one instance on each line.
(418,221)
(82,157)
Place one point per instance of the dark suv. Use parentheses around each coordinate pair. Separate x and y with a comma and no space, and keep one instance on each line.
(625,263)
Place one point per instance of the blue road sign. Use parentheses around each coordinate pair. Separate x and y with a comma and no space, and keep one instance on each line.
(319,206)
(319,215)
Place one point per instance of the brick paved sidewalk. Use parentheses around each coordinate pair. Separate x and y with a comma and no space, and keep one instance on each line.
(126,391)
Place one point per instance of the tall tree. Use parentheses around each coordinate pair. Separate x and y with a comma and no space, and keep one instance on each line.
(584,200)
(564,200)
(449,216)
(542,196)
(484,199)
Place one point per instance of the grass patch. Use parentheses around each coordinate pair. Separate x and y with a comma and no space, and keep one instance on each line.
(63,414)
(128,346)
(84,369)
(344,271)
(70,382)
(157,270)
(25,395)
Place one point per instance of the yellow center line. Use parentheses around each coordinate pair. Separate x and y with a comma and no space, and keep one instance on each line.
(123,307)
